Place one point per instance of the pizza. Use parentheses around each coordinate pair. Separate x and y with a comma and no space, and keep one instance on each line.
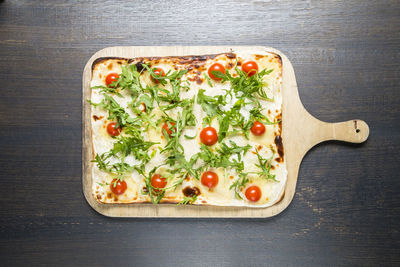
(189,130)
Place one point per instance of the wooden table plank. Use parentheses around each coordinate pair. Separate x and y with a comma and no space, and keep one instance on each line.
(347,63)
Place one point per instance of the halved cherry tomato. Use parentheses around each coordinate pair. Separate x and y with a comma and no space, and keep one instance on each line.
(112,130)
(167,129)
(250,67)
(112,77)
(119,188)
(158,72)
(253,193)
(158,182)
(258,128)
(216,67)
(209,179)
(208,136)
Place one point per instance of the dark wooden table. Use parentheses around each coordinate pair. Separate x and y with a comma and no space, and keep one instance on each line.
(347,60)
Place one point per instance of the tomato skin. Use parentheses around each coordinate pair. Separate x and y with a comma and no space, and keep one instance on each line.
(216,67)
(253,193)
(167,129)
(209,179)
(158,182)
(112,77)
(157,71)
(258,128)
(112,130)
(209,136)
(119,188)
(250,67)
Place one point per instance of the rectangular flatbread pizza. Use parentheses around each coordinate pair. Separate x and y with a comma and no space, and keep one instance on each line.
(201,130)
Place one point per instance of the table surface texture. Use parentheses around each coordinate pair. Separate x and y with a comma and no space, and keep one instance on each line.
(346,210)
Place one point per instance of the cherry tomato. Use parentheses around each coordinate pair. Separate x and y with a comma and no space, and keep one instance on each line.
(158,72)
(167,129)
(258,128)
(209,179)
(250,67)
(253,193)
(216,67)
(112,77)
(158,182)
(208,136)
(119,187)
(112,130)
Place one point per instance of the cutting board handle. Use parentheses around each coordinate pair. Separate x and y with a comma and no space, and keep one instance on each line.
(353,131)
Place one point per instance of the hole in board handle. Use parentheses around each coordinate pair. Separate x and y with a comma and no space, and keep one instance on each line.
(357,130)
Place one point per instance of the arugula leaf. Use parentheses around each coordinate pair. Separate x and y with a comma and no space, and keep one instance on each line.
(135,145)
(239,184)
(265,166)
(106,89)
(101,162)
(116,112)
(208,80)
(210,105)
(168,76)
(188,200)
(190,137)
(234,149)
(156,194)
(244,86)
(222,156)
(119,168)
(223,126)
(147,101)
(130,80)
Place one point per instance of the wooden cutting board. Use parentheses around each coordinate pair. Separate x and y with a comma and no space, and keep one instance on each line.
(300,133)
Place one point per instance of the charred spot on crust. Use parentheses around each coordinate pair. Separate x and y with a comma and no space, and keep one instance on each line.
(278,57)
(139,66)
(191,59)
(198,79)
(96,118)
(191,191)
(145,190)
(109,195)
(279,145)
(230,55)
(102,59)
(110,66)
(98,196)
